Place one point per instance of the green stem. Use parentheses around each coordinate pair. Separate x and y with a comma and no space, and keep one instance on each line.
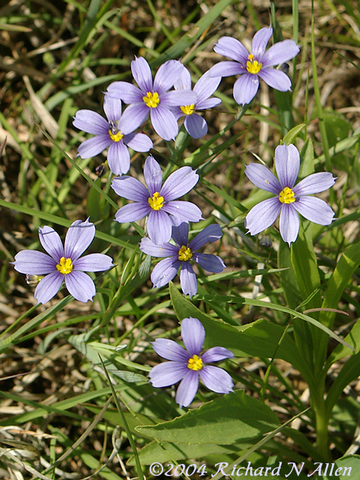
(322,420)
(322,127)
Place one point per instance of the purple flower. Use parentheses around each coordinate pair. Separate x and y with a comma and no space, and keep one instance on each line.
(188,365)
(179,256)
(254,65)
(157,200)
(196,125)
(63,262)
(116,133)
(153,97)
(289,200)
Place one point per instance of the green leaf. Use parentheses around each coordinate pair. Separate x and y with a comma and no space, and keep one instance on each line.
(284,104)
(97,207)
(307,159)
(59,408)
(129,377)
(336,285)
(349,372)
(348,263)
(19,334)
(49,217)
(289,282)
(257,339)
(93,463)
(353,339)
(292,134)
(345,468)
(337,126)
(167,451)
(341,146)
(304,263)
(114,418)
(228,419)
(305,267)
(177,50)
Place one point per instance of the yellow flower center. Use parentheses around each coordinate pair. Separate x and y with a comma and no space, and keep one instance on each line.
(252,65)
(116,137)
(65,265)
(188,109)
(151,100)
(184,254)
(287,195)
(195,363)
(156,201)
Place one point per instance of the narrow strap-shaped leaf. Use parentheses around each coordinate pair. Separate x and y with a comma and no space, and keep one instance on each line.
(176,51)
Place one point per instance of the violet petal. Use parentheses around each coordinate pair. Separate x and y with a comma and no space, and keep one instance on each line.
(209,234)
(152,175)
(51,242)
(179,183)
(93,146)
(94,262)
(180,234)
(275,79)
(216,354)
(314,183)
(141,72)
(170,350)
(159,226)
(262,215)
(187,389)
(263,178)
(139,142)
(32,262)
(232,48)
(193,335)
(90,122)
(183,211)
(130,188)
(118,158)
(167,373)
(260,41)
(188,279)
(208,103)
(134,115)
(78,238)
(148,247)
(80,286)
(195,125)
(183,81)
(315,210)
(164,122)
(216,379)
(209,262)
(126,91)
(289,223)
(132,212)
(205,87)
(164,271)
(245,88)
(112,108)
(48,287)
(226,69)
(287,165)
(166,75)
(175,98)
(280,52)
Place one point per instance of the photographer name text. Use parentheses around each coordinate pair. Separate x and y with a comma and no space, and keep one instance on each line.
(286,469)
